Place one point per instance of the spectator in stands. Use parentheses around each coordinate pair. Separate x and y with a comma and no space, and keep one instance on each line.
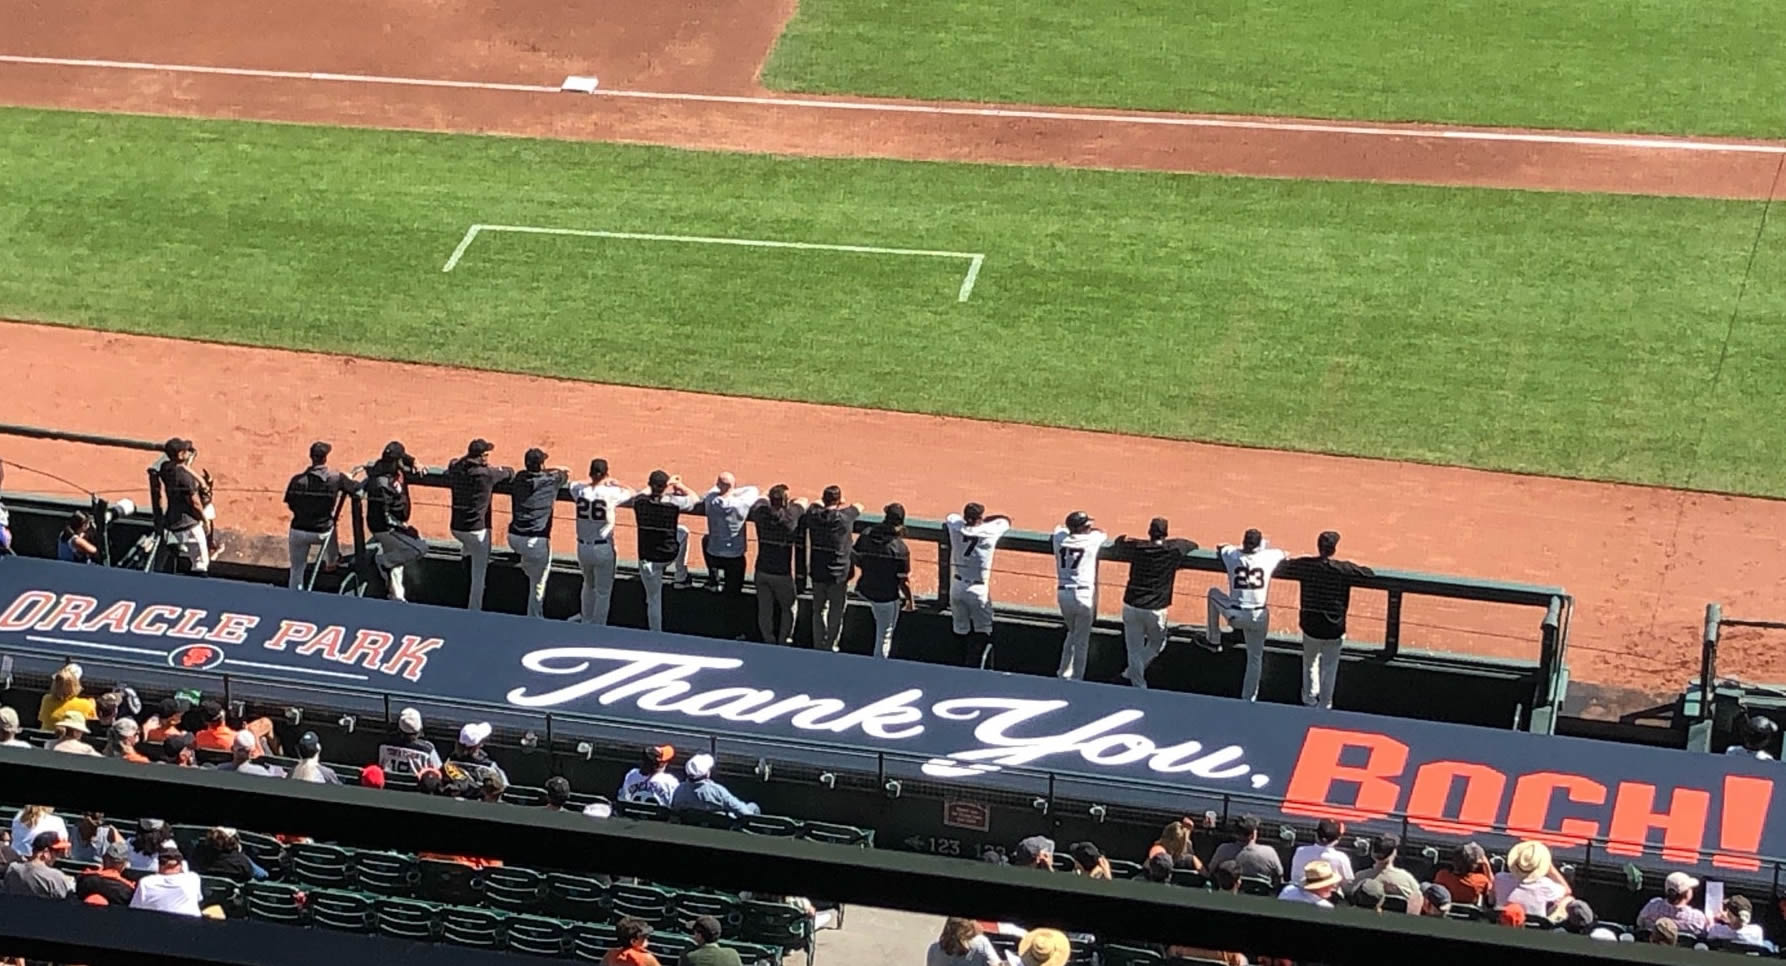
(1315,886)
(372,776)
(1469,878)
(1757,733)
(1396,880)
(38,876)
(1326,597)
(108,881)
(189,513)
(1734,924)
(470,750)
(64,696)
(105,711)
(473,483)
(387,515)
(310,496)
(533,494)
(171,888)
(1089,861)
(727,506)
(702,794)
(71,735)
(778,538)
(1532,881)
(75,544)
(1666,932)
(651,781)
(1514,916)
(962,943)
(1325,847)
(1044,947)
(1157,867)
(663,541)
(1578,918)
(493,787)
(9,730)
(91,837)
(885,564)
(1369,894)
(179,750)
(635,935)
(405,751)
(1154,564)
(1034,852)
(1225,876)
(218,735)
(242,751)
(1256,861)
(708,951)
(220,853)
(1175,844)
(122,739)
(829,526)
(310,767)
(145,848)
(163,723)
(32,821)
(1435,900)
(558,793)
(1676,904)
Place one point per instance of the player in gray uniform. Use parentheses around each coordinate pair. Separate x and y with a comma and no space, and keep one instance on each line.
(597,501)
(1076,544)
(973,535)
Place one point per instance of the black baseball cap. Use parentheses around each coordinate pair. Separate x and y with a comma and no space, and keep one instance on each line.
(658,479)
(1157,528)
(479,447)
(1252,539)
(211,709)
(309,745)
(175,446)
(535,458)
(598,467)
(1078,520)
(320,451)
(394,451)
(174,744)
(893,514)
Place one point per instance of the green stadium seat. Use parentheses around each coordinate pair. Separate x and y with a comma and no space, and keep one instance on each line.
(705,819)
(524,795)
(1189,877)
(752,954)
(1255,886)
(266,851)
(779,825)
(725,908)
(187,837)
(72,867)
(837,834)
(470,926)
(539,936)
(576,897)
(454,883)
(218,891)
(344,911)
(515,889)
(650,903)
(386,873)
(324,866)
(642,811)
(406,918)
(591,941)
(775,924)
(1124,869)
(668,947)
(273,902)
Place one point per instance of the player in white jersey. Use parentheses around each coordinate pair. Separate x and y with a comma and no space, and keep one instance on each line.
(1249,566)
(972,537)
(597,501)
(1076,546)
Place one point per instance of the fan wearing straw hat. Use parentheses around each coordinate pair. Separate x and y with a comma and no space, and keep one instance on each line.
(1319,880)
(1532,881)
(1044,947)
(71,734)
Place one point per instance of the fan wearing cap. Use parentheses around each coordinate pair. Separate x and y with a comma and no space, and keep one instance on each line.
(1154,564)
(171,888)
(218,735)
(121,741)
(702,794)
(597,502)
(1315,884)
(71,735)
(473,482)
(1531,880)
(663,541)
(387,515)
(829,526)
(469,753)
(38,876)
(405,751)
(311,496)
(1757,733)
(310,767)
(1034,852)
(188,516)
(1090,861)
(651,781)
(1249,567)
(243,749)
(1076,544)
(532,495)
(1675,905)
(108,881)
(1326,597)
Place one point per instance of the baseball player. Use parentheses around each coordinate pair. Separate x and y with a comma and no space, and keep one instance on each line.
(973,535)
(1249,567)
(1154,564)
(1757,732)
(473,481)
(1076,545)
(387,515)
(189,510)
(1326,597)
(310,496)
(533,494)
(663,542)
(597,501)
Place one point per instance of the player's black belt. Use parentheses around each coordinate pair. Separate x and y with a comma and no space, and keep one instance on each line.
(591,543)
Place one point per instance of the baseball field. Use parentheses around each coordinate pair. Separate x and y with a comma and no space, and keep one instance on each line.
(736,212)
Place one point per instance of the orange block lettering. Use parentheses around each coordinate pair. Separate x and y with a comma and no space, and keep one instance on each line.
(1318,767)
(1683,825)
(1529,815)
(1432,786)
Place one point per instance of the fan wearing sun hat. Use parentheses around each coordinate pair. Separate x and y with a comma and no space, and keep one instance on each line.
(71,734)
(1044,947)
(1319,880)
(1532,881)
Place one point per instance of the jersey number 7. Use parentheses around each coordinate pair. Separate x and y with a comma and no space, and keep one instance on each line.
(968,546)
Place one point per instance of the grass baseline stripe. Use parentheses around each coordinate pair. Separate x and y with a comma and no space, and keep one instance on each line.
(975,259)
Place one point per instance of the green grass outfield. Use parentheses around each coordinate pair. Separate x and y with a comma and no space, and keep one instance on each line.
(1677,66)
(1555,333)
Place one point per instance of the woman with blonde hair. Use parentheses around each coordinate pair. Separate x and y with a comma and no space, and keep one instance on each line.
(32,821)
(1175,842)
(64,696)
(962,943)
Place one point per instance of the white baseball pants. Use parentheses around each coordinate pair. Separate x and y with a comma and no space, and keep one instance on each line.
(651,575)
(475,544)
(1320,669)
(1076,611)
(886,617)
(299,542)
(395,550)
(1143,637)
(536,564)
(1253,623)
(970,607)
(597,563)
(192,541)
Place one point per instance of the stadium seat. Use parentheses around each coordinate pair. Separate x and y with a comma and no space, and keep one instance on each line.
(345,911)
(187,837)
(1255,886)
(1116,954)
(770,825)
(1064,863)
(265,850)
(274,902)
(706,819)
(470,926)
(592,941)
(454,883)
(668,947)
(515,889)
(777,925)
(386,873)
(538,936)
(73,867)
(650,903)
(405,918)
(642,811)
(837,834)
(1124,869)
(1189,877)
(690,905)
(1395,904)
(218,891)
(324,866)
(576,897)
(1470,913)
(751,954)
(525,795)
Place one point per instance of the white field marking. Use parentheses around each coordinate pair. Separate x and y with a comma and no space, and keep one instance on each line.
(890,107)
(288,669)
(96,646)
(975,259)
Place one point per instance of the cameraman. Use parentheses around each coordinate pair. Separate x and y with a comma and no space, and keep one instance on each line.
(387,515)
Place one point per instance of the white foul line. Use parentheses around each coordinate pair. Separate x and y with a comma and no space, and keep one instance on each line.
(975,259)
(893,107)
